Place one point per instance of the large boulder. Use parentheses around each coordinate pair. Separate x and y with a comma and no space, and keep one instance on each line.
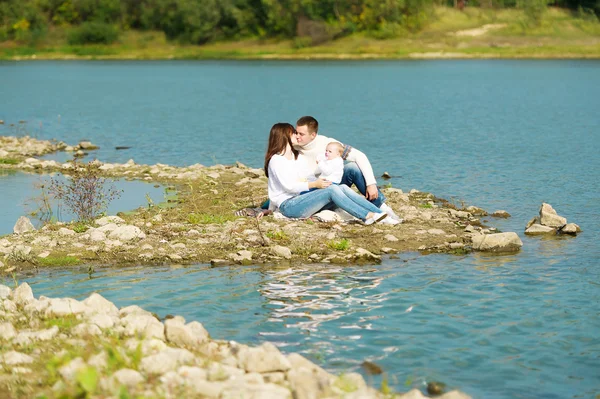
(23,225)
(549,217)
(501,242)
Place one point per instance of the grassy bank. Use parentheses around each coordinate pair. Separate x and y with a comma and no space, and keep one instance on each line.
(473,33)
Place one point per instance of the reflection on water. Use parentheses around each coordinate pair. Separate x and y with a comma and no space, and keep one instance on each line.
(306,297)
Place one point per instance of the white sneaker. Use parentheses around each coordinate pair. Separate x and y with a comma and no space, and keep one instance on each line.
(377,217)
(390,212)
(391,221)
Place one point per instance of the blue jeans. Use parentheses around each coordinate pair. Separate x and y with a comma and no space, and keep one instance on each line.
(305,205)
(353,175)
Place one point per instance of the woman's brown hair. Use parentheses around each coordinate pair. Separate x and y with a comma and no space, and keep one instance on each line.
(279,137)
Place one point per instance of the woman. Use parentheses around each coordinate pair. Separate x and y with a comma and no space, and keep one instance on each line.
(290,180)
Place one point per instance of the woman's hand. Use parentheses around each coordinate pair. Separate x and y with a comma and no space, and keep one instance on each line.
(319,183)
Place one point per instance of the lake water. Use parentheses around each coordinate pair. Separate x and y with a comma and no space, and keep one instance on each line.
(496,134)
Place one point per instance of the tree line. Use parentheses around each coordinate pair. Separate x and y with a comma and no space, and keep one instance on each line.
(308,22)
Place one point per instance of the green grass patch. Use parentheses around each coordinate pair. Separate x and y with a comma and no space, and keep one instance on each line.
(339,245)
(425,206)
(9,161)
(79,227)
(63,323)
(277,235)
(54,261)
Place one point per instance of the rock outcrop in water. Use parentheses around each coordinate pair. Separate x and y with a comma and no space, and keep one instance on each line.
(61,347)
(197,223)
(550,222)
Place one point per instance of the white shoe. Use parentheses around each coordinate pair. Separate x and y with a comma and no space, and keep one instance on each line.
(377,217)
(391,221)
(390,212)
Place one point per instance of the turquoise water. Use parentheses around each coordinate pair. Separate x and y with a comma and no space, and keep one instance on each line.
(497,134)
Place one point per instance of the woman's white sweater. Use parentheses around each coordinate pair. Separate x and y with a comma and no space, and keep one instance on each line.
(287,178)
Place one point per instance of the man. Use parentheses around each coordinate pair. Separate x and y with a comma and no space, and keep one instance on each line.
(357,171)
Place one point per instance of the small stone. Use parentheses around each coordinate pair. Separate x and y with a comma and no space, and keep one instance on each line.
(391,237)
(501,214)
(536,229)
(282,251)
(386,175)
(571,229)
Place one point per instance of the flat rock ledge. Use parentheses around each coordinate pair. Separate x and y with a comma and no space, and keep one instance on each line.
(199,226)
(61,347)
(549,222)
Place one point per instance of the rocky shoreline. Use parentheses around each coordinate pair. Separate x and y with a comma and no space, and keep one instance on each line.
(199,225)
(61,347)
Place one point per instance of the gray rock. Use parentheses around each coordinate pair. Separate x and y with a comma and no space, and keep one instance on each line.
(282,251)
(27,337)
(7,331)
(534,220)
(501,214)
(501,242)
(85,329)
(63,231)
(148,326)
(14,357)
(103,321)
(64,307)
(243,256)
(4,290)
(23,295)
(23,225)
(220,372)
(363,254)
(536,229)
(477,211)
(101,305)
(167,360)
(265,391)
(190,335)
(87,145)
(391,237)
(109,227)
(127,233)
(263,359)
(127,377)
(549,217)
(97,235)
(571,228)
(307,380)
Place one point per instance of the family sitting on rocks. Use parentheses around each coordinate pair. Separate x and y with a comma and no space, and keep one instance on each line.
(307,174)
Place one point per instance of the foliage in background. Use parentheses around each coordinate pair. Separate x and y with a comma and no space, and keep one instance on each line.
(85,193)
(308,22)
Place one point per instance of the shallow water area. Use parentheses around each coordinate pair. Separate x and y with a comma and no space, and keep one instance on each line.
(495,134)
(421,318)
(21,191)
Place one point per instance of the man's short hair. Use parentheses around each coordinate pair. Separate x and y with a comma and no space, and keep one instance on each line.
(310,122)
